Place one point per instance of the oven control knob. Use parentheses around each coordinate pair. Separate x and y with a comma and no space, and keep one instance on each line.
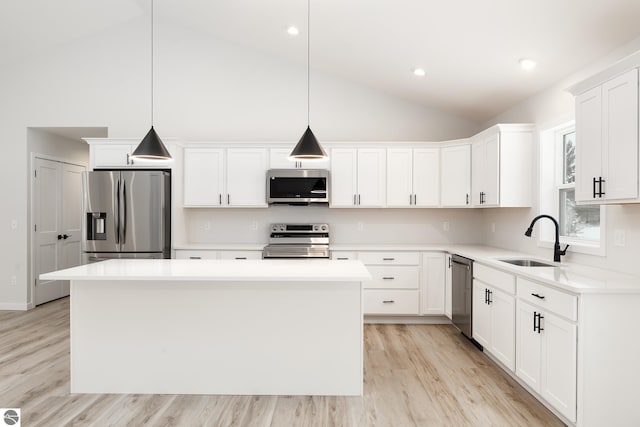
(324,228)
(315,228)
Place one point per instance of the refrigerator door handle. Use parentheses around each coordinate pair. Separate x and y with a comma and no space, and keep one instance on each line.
(116,210)
(123,220)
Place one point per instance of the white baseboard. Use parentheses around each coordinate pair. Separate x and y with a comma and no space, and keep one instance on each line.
(14,306)
(409,320)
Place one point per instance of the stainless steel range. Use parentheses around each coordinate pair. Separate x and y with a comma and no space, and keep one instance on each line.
(298,241)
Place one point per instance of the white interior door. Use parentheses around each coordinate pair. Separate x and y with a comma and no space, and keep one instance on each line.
(57,199)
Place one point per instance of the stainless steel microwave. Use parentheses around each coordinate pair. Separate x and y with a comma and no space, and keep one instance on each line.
(297,186)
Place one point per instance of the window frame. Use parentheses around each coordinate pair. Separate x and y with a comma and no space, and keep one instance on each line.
(552,182)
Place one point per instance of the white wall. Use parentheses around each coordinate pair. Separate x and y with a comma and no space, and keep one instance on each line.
(548,108)
(205,89)
(384,226)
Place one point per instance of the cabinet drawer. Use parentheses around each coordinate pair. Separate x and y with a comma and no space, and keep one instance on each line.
(240,255)
(401,302)
(343,255)
(201,254)
(389,258)
(498,279)
(393,277)
(558,302)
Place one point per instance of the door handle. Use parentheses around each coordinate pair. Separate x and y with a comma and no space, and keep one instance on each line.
(116,217)
(124,211)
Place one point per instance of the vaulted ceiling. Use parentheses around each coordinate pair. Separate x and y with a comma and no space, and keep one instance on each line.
(469,49)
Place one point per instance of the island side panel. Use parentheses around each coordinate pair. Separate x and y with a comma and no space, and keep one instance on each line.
(197,337)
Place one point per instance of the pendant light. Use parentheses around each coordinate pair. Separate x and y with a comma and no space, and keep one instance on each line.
(151,146)
(308,147)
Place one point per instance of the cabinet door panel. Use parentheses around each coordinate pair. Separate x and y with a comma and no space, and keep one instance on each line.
(203,176)
(481,314)
(559,352)
(456,176)
(491,179)
(399,177)
(503,328)
(112,155)
(528,346)
(588,142)
(246,177)
(344,177)
(372,177)
(620,137)
(426,176)
(433,284)
(477,171)
(279,159)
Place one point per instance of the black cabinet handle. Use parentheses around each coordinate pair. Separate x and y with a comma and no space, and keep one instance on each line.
(358,199)
(241,257)
(195,257)
(594,187)
(59,236)
(538,296)
(65,236)
(490,297)
(600,192)
(449,262)
(388,259)
(388,301)
(354,200)
(388,278)
(343,258)
(486,296)
(467,198)
(228,199)
(219,199)
(537,317)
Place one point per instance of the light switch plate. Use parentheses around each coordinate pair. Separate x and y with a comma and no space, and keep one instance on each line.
(619,238)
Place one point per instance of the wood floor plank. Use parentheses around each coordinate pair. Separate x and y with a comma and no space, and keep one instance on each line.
(414,375)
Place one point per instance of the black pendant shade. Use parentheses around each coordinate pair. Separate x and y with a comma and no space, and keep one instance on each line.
(308,147)
(151,148)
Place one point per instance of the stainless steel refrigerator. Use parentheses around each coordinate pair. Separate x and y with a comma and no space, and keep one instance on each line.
(127,214)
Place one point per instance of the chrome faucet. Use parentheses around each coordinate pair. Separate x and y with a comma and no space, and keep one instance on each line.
(557,253)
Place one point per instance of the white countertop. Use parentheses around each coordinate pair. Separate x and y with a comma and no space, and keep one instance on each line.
(216,270)
(571,277)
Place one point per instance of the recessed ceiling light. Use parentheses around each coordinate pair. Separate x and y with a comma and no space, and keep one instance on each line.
(293,31)
(527,64)
(419,72)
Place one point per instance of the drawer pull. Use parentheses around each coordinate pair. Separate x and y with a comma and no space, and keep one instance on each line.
(388,301)
(388,259)
(195,257)
(343,258)
(388,278)
(538,296)
(241,257)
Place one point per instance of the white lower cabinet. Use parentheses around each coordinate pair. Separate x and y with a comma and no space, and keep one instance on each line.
(391,301)
(433,283)
(494,313)
(547,348)
(448,303)
(214,254)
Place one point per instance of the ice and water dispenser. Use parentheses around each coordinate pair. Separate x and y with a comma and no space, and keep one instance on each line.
(96,226)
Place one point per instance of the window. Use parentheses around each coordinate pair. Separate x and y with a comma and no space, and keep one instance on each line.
(580,225)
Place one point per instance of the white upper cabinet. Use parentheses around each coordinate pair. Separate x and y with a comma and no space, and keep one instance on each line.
(203,176)
(607,141)
(279,159)
(455,183)
(413,177)
(501,166)
(108,153)
(218,177)
(358,177)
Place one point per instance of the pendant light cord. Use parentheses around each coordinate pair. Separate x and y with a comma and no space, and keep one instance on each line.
(308,60)
(151,63)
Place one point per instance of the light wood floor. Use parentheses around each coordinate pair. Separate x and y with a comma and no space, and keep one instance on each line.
(415,375)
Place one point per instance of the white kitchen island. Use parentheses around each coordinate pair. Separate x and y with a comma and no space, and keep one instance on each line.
(258,327)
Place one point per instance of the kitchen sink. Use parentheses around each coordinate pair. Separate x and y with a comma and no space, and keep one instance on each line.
(522,262)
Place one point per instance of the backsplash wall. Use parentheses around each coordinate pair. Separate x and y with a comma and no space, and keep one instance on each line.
(364,226)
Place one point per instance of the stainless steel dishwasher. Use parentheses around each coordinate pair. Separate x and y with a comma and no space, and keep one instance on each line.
(461,290)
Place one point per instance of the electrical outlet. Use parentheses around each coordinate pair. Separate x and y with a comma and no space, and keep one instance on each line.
(207,226)
(445,225)
(619,238)
(14,224)
(254,225)
(360,226)
(12,281)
